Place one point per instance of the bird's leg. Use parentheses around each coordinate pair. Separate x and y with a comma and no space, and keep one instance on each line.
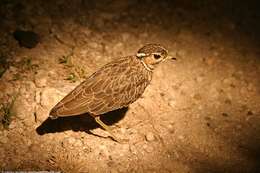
(97,119)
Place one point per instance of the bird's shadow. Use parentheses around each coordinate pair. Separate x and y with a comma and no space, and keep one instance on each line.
(83,122)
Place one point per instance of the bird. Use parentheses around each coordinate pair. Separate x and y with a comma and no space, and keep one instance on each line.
(114,86)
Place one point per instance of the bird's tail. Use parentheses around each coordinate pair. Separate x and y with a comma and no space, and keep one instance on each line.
(53,117)
(53,114)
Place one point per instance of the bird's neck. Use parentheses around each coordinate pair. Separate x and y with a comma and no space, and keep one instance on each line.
(146,66)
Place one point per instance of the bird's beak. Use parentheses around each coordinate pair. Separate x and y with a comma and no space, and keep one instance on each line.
(171,57)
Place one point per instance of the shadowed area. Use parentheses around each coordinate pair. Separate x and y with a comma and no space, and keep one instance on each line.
(83,122)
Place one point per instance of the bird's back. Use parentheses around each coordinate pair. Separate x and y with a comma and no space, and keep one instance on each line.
(114,86)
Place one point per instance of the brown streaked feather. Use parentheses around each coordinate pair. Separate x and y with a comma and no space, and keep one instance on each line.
(115,85)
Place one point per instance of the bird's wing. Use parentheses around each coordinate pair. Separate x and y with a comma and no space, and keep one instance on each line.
(115,85)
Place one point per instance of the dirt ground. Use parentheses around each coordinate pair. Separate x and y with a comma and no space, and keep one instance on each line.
(200,114)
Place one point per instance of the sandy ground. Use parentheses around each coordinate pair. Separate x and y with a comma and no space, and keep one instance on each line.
(201,113)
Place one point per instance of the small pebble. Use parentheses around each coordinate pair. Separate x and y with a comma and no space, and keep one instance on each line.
(123,130)
(93,45)
(38,96)
(171,128)
(172,103)
(41,82)
(12,125)
(41,78)
(68,142)
(181,137)
(149,137)
(199,79)
(3,139)
(77,143)
(29,121)
(132,149)
(148,149)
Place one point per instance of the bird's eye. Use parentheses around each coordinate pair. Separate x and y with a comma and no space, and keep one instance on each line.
(157,56)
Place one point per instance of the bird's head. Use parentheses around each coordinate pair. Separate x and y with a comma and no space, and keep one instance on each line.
(152,54)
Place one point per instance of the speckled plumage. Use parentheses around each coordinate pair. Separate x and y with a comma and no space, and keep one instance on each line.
(114,86)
